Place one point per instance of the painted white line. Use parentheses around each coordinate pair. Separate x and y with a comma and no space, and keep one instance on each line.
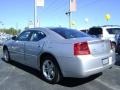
(108,85)
(2,81)
(117,68)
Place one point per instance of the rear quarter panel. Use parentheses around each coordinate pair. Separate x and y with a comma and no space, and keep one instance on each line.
(71,65)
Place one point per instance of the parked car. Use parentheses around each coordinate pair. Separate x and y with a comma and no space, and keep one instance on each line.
(117,36)
(105,32)
(60,52)
(3,38)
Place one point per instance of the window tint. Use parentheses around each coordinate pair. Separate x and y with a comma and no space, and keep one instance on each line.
(69,33)
(113,30)
(24,36)
(37,35)
(95,31)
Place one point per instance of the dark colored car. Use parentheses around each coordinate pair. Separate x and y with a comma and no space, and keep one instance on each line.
(117,36)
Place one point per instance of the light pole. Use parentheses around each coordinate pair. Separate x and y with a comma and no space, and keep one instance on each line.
(35,13)
(69,15)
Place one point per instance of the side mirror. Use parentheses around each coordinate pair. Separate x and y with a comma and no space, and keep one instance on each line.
(14,37)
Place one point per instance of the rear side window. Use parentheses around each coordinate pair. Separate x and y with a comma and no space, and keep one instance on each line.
(95,31)
(37,35)
(113,30)
(69,33)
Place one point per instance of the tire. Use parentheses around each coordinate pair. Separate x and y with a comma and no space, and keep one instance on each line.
(50,70)
(6,55)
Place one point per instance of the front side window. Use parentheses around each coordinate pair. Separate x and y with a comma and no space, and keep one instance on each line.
(37,35)
(24,36)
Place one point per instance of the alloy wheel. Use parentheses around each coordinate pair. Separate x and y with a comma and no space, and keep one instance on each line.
(48,70)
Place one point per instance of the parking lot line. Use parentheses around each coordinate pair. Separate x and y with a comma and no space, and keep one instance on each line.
(107,85)
(2,81)
(117,68)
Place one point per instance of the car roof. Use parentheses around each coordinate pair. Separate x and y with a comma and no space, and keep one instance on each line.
(48,31)
(111,26)
(40,28)
(106,26)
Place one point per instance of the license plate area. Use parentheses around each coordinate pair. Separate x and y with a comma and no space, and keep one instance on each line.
(105,61)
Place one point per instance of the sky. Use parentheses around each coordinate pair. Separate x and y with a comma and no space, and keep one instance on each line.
(19,13)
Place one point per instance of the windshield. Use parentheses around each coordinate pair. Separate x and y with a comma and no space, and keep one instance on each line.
(113,30)
(69,33)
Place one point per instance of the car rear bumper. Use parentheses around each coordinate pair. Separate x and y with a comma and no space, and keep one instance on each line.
(84,66)
(86,73)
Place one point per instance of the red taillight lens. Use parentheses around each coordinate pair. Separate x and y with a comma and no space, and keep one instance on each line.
(81,48)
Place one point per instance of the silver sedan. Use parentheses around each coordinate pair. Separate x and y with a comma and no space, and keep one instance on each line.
(60,52)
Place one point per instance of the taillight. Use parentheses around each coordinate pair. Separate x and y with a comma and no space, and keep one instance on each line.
(81,48)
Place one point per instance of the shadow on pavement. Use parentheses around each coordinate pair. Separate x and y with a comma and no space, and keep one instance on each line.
(117,60)
(26,68)
(73,82)
(67,82)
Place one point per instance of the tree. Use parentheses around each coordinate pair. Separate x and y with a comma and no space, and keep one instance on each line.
(11,31)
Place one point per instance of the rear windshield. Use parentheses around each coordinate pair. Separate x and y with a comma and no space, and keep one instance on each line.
(113,30)
(69,33)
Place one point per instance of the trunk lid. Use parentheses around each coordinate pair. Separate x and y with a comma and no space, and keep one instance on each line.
(99,47)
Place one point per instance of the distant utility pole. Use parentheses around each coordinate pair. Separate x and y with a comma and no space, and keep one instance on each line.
(35,13)
(72,8)
(69,15)
(37,3)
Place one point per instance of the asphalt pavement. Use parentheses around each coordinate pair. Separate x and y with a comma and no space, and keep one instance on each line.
(15,76)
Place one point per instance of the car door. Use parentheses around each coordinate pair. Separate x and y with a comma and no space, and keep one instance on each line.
(18,47)
(34,47)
